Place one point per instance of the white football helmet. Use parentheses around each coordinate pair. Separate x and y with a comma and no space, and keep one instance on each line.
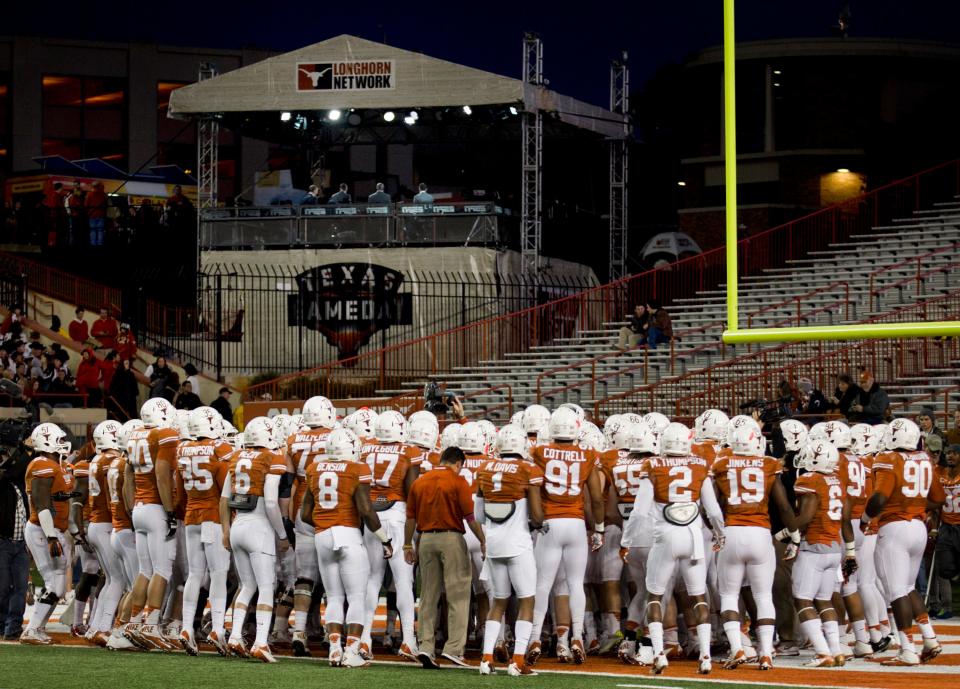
(564,425)
(822,457)
(472,439)
(206,422)
(591,438)
(877,434)
(512,440)
(50,438)
(610,426)
(260,433)
(901,434)
(794,434)
(836,432)
(630,417)
(577,409)
(230,433)
(517,418)
(620,437)
(747,442)
(182,424)
(279,423)
(362,422)
(127,428)
(489,434)
(642,438)
(424,415)
(711,425)
(677,440)
(296,423)
(106,436)
(543,437)
(656,421)
(535,417)
(860,439)
(343,445)
(737,422)
(450,436)
(422,432)
(390,427)
(318,412)
(156,412)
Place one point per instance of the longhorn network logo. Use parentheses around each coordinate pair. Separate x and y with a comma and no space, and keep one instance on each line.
(352,75)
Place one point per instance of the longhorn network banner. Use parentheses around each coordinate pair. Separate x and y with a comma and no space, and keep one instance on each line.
(350,75)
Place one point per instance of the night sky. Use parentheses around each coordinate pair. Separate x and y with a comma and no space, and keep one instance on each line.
(578,42)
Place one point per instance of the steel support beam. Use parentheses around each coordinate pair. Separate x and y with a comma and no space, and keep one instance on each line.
(619,171)
(531,204)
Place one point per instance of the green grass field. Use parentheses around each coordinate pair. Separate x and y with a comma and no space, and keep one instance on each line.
(30,667)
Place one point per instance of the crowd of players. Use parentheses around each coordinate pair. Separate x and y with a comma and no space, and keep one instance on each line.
(179,512)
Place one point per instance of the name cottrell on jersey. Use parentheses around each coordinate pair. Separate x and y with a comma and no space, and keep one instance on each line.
(118,509)
(98,487)
(333,485)
(824,528)
(566,469)
(905,478)
(675,479)
(249,470)
(507,480)
(745,484)
(305,447)
(145,448)
(202,468)
(946,491)
(388,464)
(43,468)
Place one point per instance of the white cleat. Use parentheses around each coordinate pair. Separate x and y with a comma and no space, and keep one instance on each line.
(705,666)
(660,663)
(216,639)
(118,642)
(353,659)
(35,637)
(904,658)
(563,654)
(486,668)
(263,654)
(514,670)
(862,650)
(299,643)
(189,643)
(821,661)
(644,656)
(627,652)
(335,656)
(931,649)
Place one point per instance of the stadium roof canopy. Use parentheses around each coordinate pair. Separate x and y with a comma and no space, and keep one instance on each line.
(347,73)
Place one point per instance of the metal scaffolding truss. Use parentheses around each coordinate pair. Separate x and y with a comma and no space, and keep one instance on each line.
(208,134)
(619,170)
(532,159)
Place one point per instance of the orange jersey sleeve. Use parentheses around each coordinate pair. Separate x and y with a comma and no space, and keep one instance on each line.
(745,483)
(824,528)
(507,480)
(81,470)
(332,485)
(946,492)
(98,500)
(707,450)
(44,468)
(905,478)
(675,479)
(202,471)
(566,469)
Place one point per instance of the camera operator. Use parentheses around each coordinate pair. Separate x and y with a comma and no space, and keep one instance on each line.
(14,558)
(440,403)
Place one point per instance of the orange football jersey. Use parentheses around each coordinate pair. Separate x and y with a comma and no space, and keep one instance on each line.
(118,508)
(333,485)
(946,491)
(824,528)
(146,447)
(305,447)
(745,484)
(708,449)
(507,480)
(905,478)
(203,468)
(623,473)
(675,479)
(389,463)
(250,468)
(40,468)
(856,472)
(566,469)
(81,469)
(98,491)
(471,465)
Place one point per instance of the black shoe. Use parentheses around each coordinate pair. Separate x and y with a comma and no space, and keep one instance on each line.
(881,646)
(11,637)
(428,661)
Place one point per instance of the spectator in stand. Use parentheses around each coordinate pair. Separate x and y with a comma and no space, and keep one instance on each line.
(341,196)
(192,377)
(14,316)
(814,402)
(108,367)
(96,205)
(78,329)
(379,197)
(14,558)
(126,346)
(105,330)
(222,404)
(933,438)
(953,435)
(88,377)
(872,402)
(660,325)
(312,197)
(52,211)
(62,392)
(57,327)
(636,331)
(846,393)
(179,209)
(75,213)
(423,196)
(123,391)
(187,398)
(163,381)
(63,356)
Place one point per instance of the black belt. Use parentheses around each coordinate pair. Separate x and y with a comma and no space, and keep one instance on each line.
(442,531)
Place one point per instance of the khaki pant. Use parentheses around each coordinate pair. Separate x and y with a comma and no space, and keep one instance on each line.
(629,338)
(783,595)
(444,560)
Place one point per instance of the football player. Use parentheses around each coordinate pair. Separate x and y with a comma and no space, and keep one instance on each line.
(84,591)
(251,490)
(47,484)
(337,498)
(946,493)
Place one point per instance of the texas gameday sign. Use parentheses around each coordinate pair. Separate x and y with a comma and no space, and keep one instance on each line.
(349,75)
(348,303)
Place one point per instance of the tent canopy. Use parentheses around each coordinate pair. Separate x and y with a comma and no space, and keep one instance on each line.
(347,72)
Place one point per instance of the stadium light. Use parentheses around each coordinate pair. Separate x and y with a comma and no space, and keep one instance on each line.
(410,120)
(285,117)
(843,169)
(513,110)
(414,115)
(681,183)
(467,110)
(389,116)
(334,115)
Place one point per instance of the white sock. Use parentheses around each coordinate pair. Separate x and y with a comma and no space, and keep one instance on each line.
(236,627)
(563,637)
(875,634)
(611,625)
(732,630)
(153,617)
(263,626)
(656,637)
(813,630)
(191,594)
(926,629)
(671,636)
(765,637)
(589,627)
(831,631)
(299,620)
(703,636)
(860,631)
(490,631)
(521,633)
(41,611)
(906,642)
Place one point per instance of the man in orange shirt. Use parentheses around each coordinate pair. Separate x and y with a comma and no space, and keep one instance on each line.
(438,505)
(338,496)
(46,484)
